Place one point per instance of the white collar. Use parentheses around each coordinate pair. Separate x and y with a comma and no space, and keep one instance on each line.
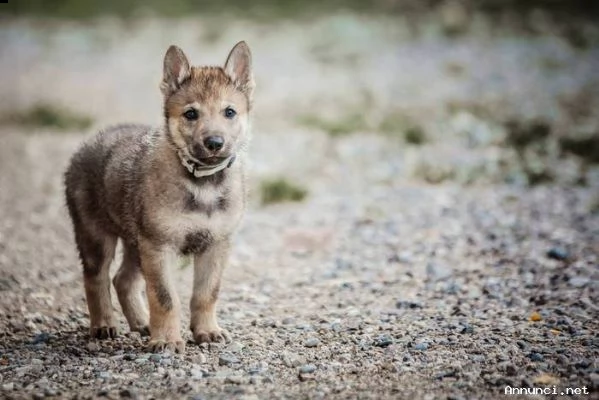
(199,170)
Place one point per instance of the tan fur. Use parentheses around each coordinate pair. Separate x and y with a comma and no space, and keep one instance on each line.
(132,182)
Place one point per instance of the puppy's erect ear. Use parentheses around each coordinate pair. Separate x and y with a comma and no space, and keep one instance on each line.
(239,67)
(176,70)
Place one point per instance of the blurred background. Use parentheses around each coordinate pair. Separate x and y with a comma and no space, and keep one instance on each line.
(355,93)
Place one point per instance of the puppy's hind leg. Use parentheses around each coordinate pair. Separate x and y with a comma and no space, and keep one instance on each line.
(129,285)
(96,250)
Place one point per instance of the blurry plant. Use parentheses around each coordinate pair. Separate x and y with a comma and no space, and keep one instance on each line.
(415,135)
(49,116)
(350,123)
(533,149)
(281,190)
(434,173)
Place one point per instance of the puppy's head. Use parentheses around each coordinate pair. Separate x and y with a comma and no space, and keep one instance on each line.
(207,108)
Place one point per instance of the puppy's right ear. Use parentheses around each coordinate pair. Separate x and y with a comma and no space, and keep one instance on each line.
(176,70)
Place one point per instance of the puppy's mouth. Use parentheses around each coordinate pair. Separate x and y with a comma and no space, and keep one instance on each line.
(212,161)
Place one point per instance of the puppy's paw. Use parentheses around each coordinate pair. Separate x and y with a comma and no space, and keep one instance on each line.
(103,332)
(142,330)
(211,335)
(158,346)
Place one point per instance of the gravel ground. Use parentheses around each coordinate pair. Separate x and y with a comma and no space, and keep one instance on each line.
(378,285)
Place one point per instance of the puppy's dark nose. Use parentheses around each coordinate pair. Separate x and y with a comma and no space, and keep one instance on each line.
(214,143)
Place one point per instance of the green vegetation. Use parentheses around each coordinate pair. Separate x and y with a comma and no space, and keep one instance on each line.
(434,173)
(349,123)
(49,116)
(281,190)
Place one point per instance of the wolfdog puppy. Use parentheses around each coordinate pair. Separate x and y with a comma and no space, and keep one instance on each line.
(178,189)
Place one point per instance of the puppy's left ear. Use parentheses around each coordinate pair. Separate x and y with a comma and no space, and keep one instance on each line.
(239,67)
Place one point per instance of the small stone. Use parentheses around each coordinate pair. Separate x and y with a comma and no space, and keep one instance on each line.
(467,329)
(437,271)
(141,360)
(383,341)
(41,338)
(291,359)
(422,346)
(155,358)
(408,304)
(558,253)
(8,387)
(311,342)
(536,356)
(234,347)
(535,317)
(104,375)
(93,347)
(307,369)
(227,359)
(234,379)
(199,359)
(127,393)
(578,281)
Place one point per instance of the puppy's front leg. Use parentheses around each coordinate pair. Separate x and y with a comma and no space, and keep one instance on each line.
(208,269)
(165,308)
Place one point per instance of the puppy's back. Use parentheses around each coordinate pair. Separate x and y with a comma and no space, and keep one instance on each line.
(100,176)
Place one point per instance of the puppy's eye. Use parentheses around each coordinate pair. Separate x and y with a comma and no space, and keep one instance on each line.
(230,113)
(191,115)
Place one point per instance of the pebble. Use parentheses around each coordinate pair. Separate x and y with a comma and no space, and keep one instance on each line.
(311,342)
(41,338)
(422,346)
(437,271)
(227,359)
(156,358)
(307,368)
(536,356)
(235,347)
(8,387)
(578,281)
(383,341)
(234,379)
(408,304)
(291,359)
(558,253)
(93,347)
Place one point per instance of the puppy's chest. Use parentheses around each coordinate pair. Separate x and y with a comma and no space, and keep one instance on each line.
(203,214)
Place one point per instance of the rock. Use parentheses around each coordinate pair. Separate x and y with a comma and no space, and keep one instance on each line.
(536,356)
(307,369)
(558,253)
(311,342)
(383,340)
(408,304)
(234,347)
(8,387)
(41,338)
(291,359)
(104,375)
(467,329)
(578,281)
(234,379)
(156,358)
(436,271)
(422,346)
(199,359)
(227,359)
(127,393)
(93,347)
